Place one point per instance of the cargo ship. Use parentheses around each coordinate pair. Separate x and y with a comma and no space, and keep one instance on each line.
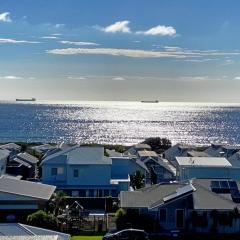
(25,99)
(154,101)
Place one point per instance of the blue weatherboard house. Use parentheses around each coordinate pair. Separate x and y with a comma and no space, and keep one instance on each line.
(85,172)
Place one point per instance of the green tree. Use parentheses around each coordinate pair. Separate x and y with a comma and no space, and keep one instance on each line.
(158,144)
(58,201)
(120,218)
(43,219)
(137,180)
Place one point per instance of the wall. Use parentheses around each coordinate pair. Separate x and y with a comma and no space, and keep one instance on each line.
(89,175)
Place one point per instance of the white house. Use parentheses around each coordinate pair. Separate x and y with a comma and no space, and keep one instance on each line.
(206,167)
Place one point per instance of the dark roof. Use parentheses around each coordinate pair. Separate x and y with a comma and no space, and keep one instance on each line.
(205,198)
(26,188)
(149,196)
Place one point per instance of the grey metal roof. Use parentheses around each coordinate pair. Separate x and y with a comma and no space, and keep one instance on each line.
(147,197)
(28,158)
(194,153)
(43,148)
(203,161)
(22,162)
(142,146)
(204,198)
(11,146)
(145,153)
(26,188)
(113,153)
(25,231)
(80,155)
(53,237)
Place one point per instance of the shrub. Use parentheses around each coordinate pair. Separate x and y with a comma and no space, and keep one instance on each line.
(43,219)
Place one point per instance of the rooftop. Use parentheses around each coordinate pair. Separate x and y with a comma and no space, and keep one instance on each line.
(28,158)
(145,153)
(10,146)
(203,161)
(80,155)
(21,231)
(26,188)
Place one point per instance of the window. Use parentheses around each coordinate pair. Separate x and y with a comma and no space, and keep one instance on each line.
(54,171)
(60,170)
(106,192)
(162,215)
(179,218)
(91,192)
(75,193)
(75,173)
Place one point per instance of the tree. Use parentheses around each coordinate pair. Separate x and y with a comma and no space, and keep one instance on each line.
(43,219)
(58,201)
(120,218)
(137,180)
(158,144)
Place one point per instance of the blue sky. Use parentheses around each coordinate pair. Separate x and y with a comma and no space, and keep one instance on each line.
(169,50)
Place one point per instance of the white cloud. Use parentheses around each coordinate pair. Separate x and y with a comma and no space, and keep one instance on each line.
(10,77)
(118,78)
(14,41)
(56,34)
(113,52)
(60,25)
(50,37)
(77,78)
(80,43)
(173,52)
(159,30)
(227,62)
(237,78)
(5,17)
(121,26)
(202,60)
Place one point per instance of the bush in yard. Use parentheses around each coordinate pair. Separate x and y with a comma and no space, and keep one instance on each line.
(43,219)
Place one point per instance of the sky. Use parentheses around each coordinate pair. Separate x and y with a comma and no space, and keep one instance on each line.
(129,50)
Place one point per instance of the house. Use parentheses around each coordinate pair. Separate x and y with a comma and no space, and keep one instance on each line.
(124,166)
(22,231)
(221,150)
(12,147)
(43,148)
(18,198)
(178,150)
(132,151)
(83,172)
(200,205)
(4,156)
(23,164)
(206,167)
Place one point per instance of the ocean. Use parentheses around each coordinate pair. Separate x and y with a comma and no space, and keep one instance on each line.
(119,122)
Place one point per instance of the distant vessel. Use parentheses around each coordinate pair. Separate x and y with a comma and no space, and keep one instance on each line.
(25,99)
(155,101)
